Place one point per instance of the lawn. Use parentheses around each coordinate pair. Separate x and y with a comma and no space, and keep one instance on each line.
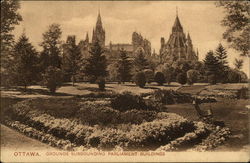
(233,112)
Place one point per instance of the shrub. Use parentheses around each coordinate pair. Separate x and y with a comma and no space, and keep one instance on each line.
(233,76)
(159,78)
(170,97)
(52,78)
(212,79)
(140,79)
(101,84)
(127,101)
(192,76)
(149,75)
(182,78)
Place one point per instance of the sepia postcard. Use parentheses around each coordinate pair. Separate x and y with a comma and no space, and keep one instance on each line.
(125,81)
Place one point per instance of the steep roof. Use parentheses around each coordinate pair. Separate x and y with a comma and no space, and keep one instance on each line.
(177,25)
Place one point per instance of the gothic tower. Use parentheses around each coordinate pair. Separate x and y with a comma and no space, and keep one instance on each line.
(178,46)
(99,32)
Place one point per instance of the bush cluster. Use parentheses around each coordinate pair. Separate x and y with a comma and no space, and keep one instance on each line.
(127,101)
(170,97)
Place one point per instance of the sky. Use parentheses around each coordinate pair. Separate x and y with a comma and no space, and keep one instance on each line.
(153,19)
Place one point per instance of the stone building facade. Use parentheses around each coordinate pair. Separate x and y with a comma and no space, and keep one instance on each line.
(178,47)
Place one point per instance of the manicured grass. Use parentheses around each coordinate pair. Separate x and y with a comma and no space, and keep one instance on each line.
(234,114)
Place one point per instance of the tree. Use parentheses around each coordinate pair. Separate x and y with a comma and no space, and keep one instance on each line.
(221,55)
(71,58)
(52,78)
(112,72)
(50,55)
(149,75)
(168,72)
(96,64)
(237,25)
(233,76)
(140,79)
(238,63)
(26,61)
(182,78)
(211,64)
(124,67)
(9,18)
(192,76)
(101,83)
(140,62)
(159,78)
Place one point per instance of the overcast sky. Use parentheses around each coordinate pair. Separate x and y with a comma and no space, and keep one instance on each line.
(152,19)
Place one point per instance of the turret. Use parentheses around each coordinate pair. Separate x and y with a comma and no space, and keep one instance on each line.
(87,38)
(162,42)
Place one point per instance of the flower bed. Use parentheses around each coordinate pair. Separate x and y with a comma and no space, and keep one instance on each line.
(150,135)
(188,139)
(80,124)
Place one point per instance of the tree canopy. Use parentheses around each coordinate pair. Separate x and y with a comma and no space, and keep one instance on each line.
(237,24)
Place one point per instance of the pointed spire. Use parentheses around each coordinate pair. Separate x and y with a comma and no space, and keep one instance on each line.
(99,19)
(87,37)
(176,10)
(177,25)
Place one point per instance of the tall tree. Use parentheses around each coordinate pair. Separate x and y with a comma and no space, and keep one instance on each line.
(71,58)
(96,63)
(26,60)
(50,55)
(221,55)
(9,18)
(140,62)
(237,24)
(238,63)
(124,67)
(211,64)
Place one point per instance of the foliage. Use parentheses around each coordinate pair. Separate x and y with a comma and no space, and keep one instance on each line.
(140,79)
(238,63)
(71,58)
(221,55)
(124,67)
(237,25)
(112,72)
(211,65)
(127,101)
(159,78)
(52,78)
(187,140)
(149,130)
(25,67)
(168,73)
(233,76)
(140,62)
(214,139)
(50,55)
(96,64)
(149,75)
(9,18)
(170,97)
(212,79)
(182,78)
(192,76)
(101,83)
